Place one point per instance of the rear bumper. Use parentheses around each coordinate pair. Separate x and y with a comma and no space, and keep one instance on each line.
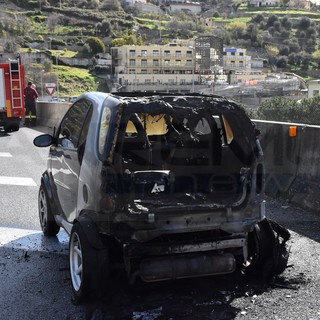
(167,261)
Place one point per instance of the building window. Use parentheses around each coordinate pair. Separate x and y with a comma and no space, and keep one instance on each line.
(132,53)
(147,81)
(143,53)
(241,54)
(132,71)
(132,62)
(166,63)
(144,71)
(156,53)
(182,81)
(156,71)
(178,63)
(167,53)
(156,63)
(178,54)
(144,62)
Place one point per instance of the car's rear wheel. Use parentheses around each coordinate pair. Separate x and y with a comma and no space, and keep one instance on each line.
(88,265)
(267,249)
(48,224)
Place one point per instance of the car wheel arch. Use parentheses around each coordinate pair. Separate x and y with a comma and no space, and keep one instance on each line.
(45,180)
(91,230)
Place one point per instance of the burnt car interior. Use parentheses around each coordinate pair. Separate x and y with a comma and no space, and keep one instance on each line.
(196,148)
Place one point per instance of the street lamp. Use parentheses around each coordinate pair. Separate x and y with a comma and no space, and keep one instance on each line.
(193,62)
(42,71)
(57,57)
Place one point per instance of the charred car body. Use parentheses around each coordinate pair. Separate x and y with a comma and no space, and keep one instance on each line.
(170,186)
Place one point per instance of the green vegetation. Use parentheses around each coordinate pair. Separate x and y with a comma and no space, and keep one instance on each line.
(283,109)
(287,38)
(75,81)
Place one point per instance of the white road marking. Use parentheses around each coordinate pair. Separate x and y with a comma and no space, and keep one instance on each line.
(17,181)
(33,240)
(5,154)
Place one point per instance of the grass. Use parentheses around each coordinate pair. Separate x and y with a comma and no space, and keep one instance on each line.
(75,81)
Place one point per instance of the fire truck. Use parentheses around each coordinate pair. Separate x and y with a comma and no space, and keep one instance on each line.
(12,84)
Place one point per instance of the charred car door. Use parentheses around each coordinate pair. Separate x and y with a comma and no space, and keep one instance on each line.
(67,155)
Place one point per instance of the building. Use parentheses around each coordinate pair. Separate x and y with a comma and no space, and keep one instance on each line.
(236,59)
(305,4)
(313,88)
(209,55)
(132,2)
(169,68)
(263,3)
(188,7)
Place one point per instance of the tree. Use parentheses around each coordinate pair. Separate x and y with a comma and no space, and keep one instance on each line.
(106,27)
(112,5)
(271,20)
(304,23)
(96,45)
(284,109)
(258,18)
(282,62)
(316,57)
(284,51)
(272,52)
(47,65)
(286,23)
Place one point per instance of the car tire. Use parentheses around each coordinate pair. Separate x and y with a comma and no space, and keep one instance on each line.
(48,224)
(89,267)
(15,127)
(260,242)
(268,256)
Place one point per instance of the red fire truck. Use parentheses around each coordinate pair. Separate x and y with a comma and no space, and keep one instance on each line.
(12,84)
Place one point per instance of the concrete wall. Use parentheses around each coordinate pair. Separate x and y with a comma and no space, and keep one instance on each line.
(50,113)
(292,163)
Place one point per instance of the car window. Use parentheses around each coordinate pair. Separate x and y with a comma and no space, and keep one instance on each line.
(104,126)
(72,128)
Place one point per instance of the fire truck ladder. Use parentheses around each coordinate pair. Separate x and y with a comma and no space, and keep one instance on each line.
(16,84)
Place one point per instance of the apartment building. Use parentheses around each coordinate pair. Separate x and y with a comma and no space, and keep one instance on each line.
(169,68)
(236,59)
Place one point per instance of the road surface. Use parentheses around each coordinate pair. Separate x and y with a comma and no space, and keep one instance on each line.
(35,281)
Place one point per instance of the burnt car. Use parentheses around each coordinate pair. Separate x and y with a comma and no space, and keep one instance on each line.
(165,186)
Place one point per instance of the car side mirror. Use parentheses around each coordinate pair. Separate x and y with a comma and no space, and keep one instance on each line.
(44,140)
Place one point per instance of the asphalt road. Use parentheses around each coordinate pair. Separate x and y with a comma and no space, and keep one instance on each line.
(35,281)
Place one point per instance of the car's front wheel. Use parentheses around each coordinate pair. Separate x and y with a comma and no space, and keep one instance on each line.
(48,224)
(88,265)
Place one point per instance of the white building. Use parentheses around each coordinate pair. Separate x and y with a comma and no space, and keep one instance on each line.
(313,88)
(186,6)
(132,2)
(155,68)
(236,59)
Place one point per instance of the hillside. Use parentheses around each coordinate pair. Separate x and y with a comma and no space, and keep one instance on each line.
(288,38)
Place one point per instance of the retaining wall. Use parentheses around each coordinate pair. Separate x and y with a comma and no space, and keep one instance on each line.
(291,162)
